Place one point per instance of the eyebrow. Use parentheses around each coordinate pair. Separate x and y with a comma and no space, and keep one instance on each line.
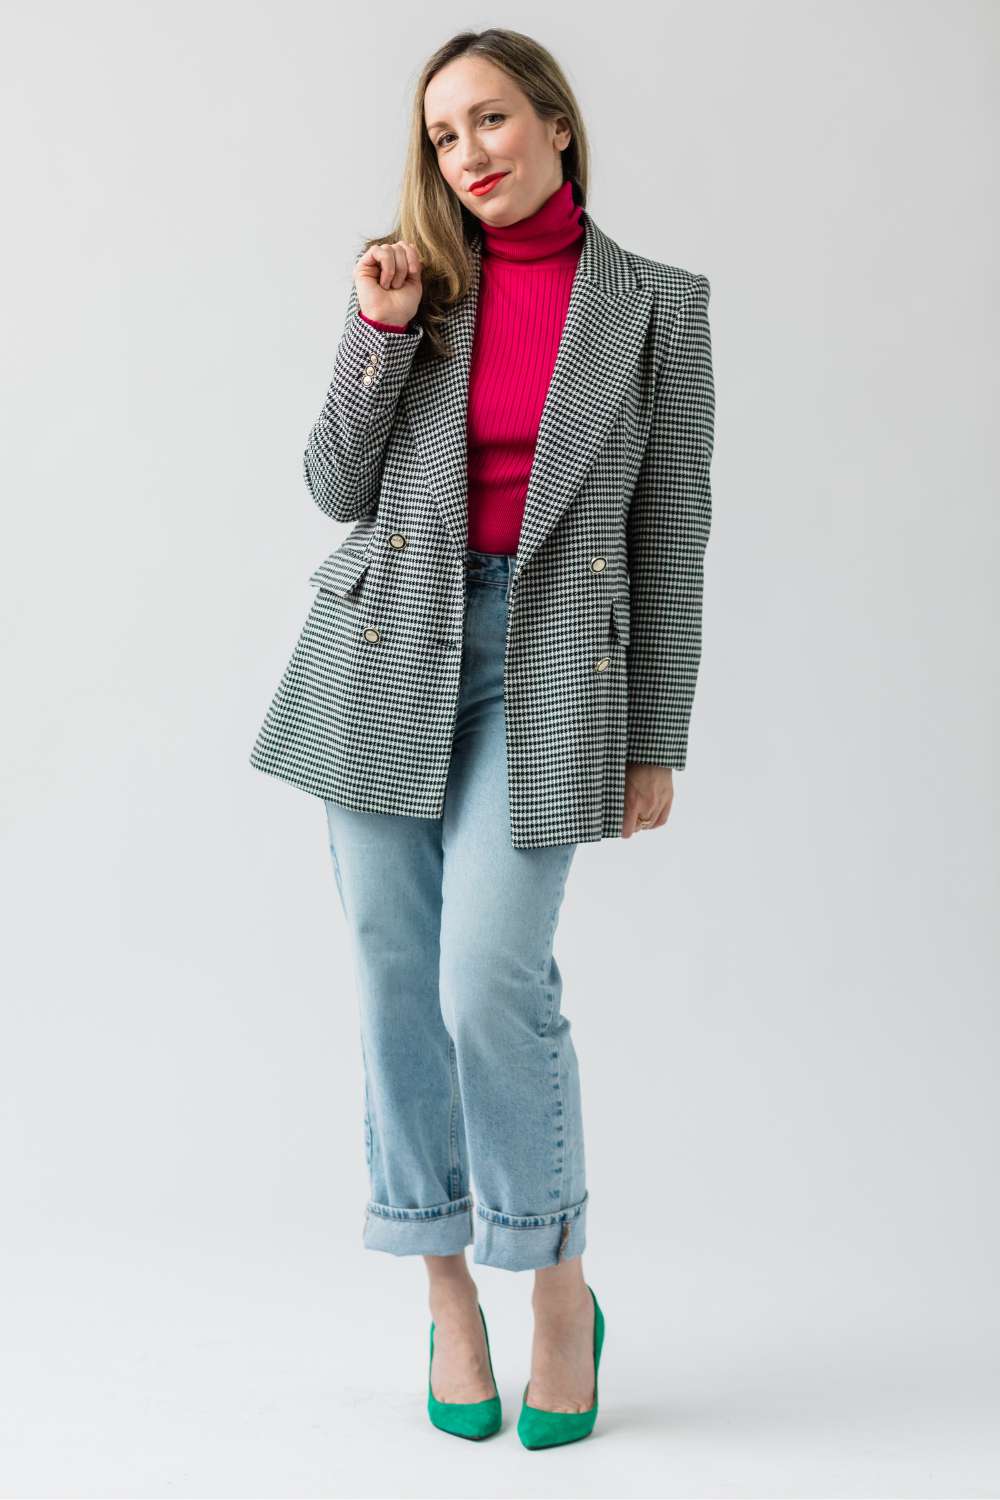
(471,110)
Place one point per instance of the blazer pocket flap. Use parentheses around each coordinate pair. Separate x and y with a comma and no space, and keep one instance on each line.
(620,612)
(342,571)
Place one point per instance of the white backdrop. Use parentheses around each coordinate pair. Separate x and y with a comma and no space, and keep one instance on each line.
(783,1002)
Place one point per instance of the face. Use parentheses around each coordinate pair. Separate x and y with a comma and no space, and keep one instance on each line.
(479,123)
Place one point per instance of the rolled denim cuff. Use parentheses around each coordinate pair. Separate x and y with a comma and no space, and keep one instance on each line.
(442,1229)
(525,1243)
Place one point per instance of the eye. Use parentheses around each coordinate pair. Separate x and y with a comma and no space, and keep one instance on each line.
(490,115)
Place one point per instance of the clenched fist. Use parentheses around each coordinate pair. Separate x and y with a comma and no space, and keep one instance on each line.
(388,281)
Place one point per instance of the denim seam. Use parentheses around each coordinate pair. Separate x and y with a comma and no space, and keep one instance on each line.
(559,1140)
(369,1139)
(455,1173)
(553,919)
(419,1215)
(532,1221)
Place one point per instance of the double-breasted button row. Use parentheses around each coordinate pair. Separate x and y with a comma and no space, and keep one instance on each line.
(597,565)
(372,635)
(369,374)
(398,541)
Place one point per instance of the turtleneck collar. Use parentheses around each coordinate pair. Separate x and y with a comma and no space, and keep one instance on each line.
(556,225)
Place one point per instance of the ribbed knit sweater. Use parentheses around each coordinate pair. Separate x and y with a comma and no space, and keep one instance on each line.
(526,274)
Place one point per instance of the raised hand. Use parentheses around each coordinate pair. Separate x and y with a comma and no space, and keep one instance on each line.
(389,282)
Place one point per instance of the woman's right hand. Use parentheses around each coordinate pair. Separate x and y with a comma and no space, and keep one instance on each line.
(388,282)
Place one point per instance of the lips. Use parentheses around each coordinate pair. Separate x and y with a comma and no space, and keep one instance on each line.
(485,183)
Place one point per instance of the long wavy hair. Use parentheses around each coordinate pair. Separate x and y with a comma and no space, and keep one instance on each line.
(430,215)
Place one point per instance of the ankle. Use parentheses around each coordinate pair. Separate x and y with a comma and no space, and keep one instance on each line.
(560,1301)
(452,1290)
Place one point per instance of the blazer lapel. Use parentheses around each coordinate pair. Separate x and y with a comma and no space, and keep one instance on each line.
(435,398)
(605,329)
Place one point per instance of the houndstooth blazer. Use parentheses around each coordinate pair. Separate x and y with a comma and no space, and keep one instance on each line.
(604,628)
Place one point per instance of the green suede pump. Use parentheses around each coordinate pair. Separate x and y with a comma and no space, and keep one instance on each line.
(538,1428)
(468,1419)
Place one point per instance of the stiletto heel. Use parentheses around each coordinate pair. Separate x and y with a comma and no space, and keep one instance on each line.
(538,1428)
(468,1419)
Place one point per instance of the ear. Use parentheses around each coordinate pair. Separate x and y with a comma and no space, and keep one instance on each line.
(563,134)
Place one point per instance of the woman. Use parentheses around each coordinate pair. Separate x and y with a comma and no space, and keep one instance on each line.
(499,663)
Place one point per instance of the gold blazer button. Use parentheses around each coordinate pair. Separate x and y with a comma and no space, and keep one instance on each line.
(397,540)
(371,634)
(601,663)
(598,563)
(366,380)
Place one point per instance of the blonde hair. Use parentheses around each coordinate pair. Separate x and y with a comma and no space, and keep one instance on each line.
(430,215)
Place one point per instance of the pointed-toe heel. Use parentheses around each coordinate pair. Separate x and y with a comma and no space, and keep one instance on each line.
(544,1429)
(468,1419)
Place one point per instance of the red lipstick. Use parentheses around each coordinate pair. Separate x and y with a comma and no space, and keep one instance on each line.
(486,183)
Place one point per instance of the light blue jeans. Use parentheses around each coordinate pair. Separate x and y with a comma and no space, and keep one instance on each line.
(470,1073)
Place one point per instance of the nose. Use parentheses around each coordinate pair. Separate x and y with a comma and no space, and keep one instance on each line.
(473,166)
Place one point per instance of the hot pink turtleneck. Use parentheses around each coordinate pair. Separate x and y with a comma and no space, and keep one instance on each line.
(526,274)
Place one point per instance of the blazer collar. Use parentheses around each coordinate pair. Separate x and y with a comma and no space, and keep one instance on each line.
(602,338)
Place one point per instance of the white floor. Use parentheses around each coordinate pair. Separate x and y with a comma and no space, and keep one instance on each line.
(147,1370)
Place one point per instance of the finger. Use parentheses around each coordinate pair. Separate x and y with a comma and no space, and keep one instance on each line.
(631,819)
(400,269)
(413,260)
(369,264)
(388,258)
(372,263)
(655,815)
(383,258)
(633,816)
(663,816)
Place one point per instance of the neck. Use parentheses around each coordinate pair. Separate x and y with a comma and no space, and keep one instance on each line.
(553,227)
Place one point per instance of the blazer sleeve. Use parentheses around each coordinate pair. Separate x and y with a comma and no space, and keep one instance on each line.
(342,464)
(667,531)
